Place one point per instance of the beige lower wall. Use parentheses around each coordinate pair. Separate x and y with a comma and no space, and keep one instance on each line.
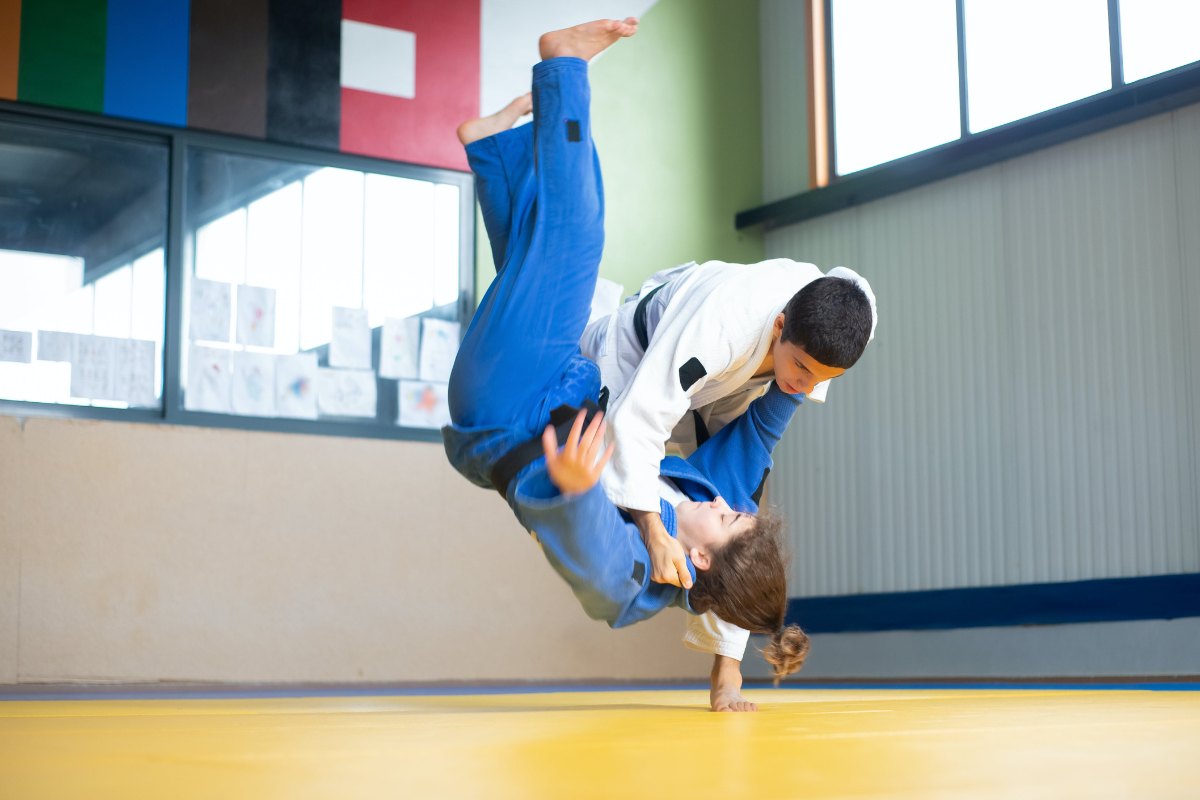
(159,553)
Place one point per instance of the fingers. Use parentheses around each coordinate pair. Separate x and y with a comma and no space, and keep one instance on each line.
(550,445)
(682,572)
(668,574)
(589,437)
(571,446)
(608,453)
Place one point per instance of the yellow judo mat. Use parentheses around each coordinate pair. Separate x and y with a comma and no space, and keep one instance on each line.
(803,743)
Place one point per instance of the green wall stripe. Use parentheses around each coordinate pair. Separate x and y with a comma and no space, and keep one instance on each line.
(62,53)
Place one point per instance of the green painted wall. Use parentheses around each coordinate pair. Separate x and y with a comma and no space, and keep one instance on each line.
(676,119)
(62,53)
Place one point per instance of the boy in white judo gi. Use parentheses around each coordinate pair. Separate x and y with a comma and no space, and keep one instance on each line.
(687,355)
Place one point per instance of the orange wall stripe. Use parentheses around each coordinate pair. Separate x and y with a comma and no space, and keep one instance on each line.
(10,47)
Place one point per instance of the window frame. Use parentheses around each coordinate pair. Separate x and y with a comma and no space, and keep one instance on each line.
(177,142)
(828,192)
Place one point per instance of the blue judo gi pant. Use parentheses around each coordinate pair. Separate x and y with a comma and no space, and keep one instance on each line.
(541,194)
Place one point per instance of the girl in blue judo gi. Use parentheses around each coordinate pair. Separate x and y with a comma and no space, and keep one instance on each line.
(519,386)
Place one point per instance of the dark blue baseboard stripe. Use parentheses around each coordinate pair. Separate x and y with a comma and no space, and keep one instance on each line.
(1105,600)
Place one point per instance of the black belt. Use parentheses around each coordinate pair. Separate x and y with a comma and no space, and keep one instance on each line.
(524,454)
(639,317)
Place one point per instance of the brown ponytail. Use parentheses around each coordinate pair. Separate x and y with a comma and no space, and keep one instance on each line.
(786,651)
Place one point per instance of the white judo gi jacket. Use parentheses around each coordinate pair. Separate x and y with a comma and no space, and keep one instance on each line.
(708,328)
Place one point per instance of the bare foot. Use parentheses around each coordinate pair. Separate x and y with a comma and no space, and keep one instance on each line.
(476,129)
(586,40)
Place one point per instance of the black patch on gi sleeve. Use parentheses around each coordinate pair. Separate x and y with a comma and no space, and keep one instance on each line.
(639,572)
(758,493)
(573,134)
(691,372)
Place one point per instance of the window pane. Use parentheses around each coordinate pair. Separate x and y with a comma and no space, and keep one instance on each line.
(1026,56)
(1158,35)
(77,211)
(895,79)
(295,272)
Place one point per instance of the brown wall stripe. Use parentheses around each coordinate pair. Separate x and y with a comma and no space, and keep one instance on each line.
(227,78)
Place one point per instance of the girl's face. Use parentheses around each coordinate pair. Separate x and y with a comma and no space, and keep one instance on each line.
(706,527)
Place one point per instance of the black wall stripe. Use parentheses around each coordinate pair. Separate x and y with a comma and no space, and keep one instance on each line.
(1104,600)
(304,95)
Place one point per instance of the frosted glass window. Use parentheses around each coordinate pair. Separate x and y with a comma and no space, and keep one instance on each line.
(1026,56)
(895,79)
(330,249)
(1158,35)
(82,272)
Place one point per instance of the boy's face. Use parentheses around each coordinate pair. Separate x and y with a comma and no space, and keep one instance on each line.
(796,371)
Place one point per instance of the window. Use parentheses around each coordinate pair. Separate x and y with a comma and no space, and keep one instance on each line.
(316,292)
(911,105)
(82,270)
(1026,56)
(1158,35)
(906,77)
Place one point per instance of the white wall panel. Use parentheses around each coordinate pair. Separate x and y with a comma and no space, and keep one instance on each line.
(1027,412)
(1186,128)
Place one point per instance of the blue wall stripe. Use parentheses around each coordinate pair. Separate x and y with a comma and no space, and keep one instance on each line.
(146,69)
(1106,600)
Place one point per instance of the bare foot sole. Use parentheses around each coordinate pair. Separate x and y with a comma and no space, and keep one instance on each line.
(476,129)
(586,40)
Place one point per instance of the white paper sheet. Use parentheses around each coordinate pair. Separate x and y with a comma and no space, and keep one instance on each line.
(133,372)
(16,346)
(439,346)
(56,346)
(399,348)
(210,379)
(423,405)
(254,384)
(296,386)
(346,392)
(256,316)
(209,311)
(92,368)
(351,345)
(606,299)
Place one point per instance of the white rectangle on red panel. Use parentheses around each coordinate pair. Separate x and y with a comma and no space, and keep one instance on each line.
(378,59)
(419,128)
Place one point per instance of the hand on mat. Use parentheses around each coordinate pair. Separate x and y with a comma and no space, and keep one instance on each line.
(726,691)
(730,701)
(668,562)
(577,467)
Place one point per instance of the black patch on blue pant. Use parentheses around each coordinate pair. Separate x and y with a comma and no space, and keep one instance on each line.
(639,572)
(691,372)
(573,134)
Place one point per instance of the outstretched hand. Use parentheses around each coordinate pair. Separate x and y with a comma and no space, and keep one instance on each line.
(577,467)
